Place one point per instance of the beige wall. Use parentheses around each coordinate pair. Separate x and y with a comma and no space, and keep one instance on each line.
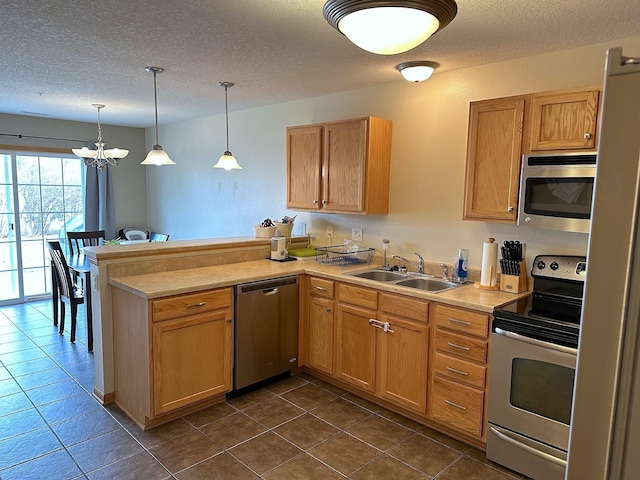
(129,182)
(428,160)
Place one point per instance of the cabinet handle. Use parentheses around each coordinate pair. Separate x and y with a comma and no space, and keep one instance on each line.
(315,202)
(510,209)
(459,372)
(460,322)
(322,289)
(197,305)
(384,326)
(324,202)
(449,402)
(328,310)
(459,347)
(587,136)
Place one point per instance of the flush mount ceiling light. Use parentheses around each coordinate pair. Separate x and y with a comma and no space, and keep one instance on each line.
(417,71)
(387,27)
(227,160)
(156,155)
(100,158)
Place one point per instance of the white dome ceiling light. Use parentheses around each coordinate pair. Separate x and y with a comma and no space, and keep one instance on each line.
(388,27)
(418,70)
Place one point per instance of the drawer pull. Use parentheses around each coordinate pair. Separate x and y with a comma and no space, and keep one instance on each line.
(449,402)
(459,372)
(459,347)
(384,326)
(459,322)
(197,305)
(322,289)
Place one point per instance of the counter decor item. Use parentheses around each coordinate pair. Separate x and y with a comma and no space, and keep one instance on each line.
(513,278)
(266,229)
(461,265)
(285,226)
(489,268)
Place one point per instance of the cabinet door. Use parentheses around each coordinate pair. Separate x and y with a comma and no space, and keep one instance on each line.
(191,359)
(304,165)
(402,363)
(493,159)
(321,328)
(344,166)
(564,120)
(355,346)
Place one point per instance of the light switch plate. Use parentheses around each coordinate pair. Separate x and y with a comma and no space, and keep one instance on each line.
(356,234)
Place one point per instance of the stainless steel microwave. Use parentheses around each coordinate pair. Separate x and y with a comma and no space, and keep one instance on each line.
(556,191)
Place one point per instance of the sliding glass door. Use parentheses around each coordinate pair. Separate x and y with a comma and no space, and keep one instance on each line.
(41,196)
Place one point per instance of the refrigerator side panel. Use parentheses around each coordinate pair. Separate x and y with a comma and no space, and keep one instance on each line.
(612,243)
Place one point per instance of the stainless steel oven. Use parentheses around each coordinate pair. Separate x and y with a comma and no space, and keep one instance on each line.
(533,359)
(556,191)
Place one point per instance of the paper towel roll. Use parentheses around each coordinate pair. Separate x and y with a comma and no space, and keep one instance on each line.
(488,273)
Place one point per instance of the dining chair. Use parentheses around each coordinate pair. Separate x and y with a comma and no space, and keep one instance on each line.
(79,240)
(66,290)
(158,237)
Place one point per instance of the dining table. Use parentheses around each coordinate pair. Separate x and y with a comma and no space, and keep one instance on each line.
(80,264)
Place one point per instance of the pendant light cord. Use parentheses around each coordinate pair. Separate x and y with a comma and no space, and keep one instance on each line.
(226,110)
(155,102)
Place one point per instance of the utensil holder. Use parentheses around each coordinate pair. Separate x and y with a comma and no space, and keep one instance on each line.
(515,283)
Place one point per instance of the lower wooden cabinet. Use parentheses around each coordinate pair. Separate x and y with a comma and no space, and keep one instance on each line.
(458,378)
(320,325)
(171,354)
(191,360)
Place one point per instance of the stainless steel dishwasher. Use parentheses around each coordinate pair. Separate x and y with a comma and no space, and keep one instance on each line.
(266,331)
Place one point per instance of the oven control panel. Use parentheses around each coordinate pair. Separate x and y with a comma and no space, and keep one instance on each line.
(566,267)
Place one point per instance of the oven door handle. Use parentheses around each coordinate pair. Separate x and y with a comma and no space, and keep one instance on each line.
(544,455)
(533,341)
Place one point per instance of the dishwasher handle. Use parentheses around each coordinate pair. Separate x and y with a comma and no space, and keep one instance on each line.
(270,291)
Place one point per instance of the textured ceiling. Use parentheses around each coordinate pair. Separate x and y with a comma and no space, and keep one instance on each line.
(60,56)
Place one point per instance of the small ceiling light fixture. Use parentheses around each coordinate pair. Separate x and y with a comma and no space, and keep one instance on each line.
(227,160)
(417,71)
(100,158)
(388,27)
(156,155)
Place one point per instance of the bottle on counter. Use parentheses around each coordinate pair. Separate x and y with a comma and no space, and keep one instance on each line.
(461,265)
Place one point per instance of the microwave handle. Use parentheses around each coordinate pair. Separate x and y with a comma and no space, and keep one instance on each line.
(533,341)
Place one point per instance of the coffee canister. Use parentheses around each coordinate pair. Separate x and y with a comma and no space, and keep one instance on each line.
(278,248)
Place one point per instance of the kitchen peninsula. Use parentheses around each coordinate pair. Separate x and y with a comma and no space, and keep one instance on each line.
(146,274)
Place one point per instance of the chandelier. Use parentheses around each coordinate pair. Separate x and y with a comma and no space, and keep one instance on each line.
(100,157)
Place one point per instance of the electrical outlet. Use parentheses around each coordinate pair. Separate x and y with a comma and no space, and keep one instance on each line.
(329,231)
(356,234)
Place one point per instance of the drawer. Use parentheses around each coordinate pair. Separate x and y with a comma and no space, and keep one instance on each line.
(404,307)
(182,305)
(319,287)
(460,346)
(459,370)
(458,406)
(354,295)
(465,321)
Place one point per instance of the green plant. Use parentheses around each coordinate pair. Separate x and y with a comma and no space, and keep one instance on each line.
(113,241)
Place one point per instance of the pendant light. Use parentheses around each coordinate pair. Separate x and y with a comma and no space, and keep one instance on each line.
(388,27)
(156,155)
(227,160)
(100,158)
(418,70)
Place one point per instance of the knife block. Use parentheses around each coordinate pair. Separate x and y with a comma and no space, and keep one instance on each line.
(515,283)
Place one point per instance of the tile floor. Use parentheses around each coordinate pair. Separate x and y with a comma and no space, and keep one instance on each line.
(299,428)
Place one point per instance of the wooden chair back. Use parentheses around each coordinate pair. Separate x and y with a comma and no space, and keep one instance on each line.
(79,240)
(61,270)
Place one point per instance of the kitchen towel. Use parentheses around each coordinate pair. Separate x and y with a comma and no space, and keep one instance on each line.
(488,271)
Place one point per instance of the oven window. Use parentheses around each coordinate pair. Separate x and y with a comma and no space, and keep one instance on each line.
(559,197)
(542,388)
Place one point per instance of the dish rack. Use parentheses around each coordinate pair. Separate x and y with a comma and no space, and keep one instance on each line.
(343,256)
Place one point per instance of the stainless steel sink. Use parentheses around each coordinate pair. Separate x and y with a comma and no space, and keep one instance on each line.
(427,284)
(380,275)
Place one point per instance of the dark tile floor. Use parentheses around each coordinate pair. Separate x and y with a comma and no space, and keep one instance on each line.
(300,428)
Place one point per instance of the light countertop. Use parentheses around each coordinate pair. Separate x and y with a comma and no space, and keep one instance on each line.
(156,285)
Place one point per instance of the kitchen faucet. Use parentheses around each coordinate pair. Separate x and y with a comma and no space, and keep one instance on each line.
(418,266)
(445,271)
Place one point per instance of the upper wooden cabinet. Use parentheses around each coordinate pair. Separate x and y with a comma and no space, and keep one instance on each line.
(340,167)
(564,120)
(493,159)
(501,130)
